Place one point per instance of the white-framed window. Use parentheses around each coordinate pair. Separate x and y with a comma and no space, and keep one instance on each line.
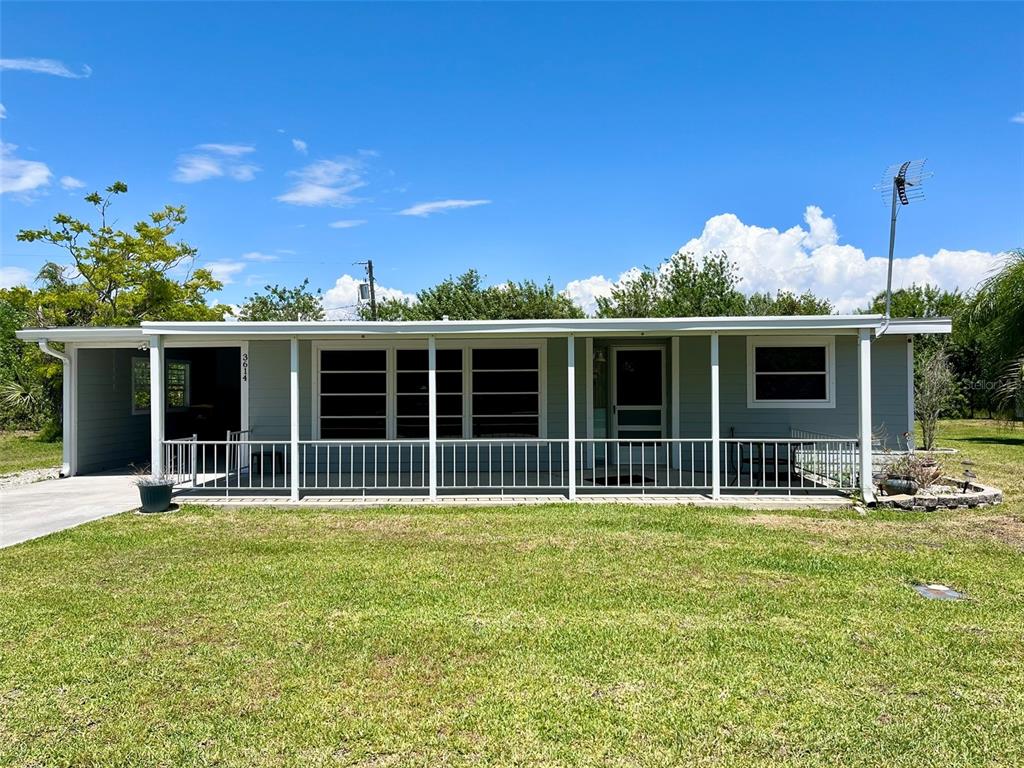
(791,371)
(487,389)
(177,385)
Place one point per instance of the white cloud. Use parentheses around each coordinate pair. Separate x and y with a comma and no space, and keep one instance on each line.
(231,150)
(224,271)
(340,301)
(439,206)
(21,177)
(214,161)
(12,276)
(70,182)
(325,182)
(800,259)
(258,256)
(3,112)
(45,67)
(300,146)
(1018,118)
(585,292)
(347,223)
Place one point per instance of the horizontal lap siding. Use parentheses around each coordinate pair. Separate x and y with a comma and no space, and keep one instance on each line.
(109,435)
(270,390)
(889,373)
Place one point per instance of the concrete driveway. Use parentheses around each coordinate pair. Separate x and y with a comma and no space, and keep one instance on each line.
(30,511)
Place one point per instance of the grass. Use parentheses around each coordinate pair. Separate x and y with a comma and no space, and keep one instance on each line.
(555,635)
(21,450)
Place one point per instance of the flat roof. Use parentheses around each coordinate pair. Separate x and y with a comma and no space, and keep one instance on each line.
(228,330)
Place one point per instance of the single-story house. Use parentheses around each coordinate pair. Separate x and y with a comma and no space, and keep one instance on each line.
(715,406)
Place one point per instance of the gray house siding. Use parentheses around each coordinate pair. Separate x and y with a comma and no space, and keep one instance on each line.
(269,390)
(109,435)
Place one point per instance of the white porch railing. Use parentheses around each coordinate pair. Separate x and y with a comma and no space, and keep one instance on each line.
(620,464)
(603,466)
(788,465)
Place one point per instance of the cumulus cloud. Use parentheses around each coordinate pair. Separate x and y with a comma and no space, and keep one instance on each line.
(439,206)
(1018,118)
(70,182)
(225,271)
(12,276)
(325,183)
(45,67)
(21,177)
(346,223)
(213,161)
(340,302)
(300,146)
(812,258)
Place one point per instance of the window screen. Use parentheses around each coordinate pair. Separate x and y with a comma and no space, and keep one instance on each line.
(353,394)
(506,392)
(411,399)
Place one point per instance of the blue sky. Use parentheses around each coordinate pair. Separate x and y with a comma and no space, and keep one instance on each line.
(576,140)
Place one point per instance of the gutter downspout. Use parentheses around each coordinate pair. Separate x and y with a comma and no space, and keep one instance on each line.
(67,417)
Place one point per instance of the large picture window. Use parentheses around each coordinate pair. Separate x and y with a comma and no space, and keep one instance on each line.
(790,373)
(381,394)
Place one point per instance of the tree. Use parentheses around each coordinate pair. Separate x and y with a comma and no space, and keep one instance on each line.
(118,277)
(934,390)
(680,287)
(996,318)
(787,303)
(466,298)
(281,303)
(919,301)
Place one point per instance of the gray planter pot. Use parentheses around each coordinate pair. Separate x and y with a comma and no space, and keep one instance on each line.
(155,498)
(898,485)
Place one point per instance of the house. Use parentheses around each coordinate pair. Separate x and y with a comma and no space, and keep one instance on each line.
(715,406)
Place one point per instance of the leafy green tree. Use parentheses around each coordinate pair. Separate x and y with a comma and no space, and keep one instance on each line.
(282,303)
(996,318)
(919,301)
(787,303)
(119,277)
(680,287)
(29,380)
(466,298)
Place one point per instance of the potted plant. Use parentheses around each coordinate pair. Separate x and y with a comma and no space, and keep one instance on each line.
(910,473)
(154,492)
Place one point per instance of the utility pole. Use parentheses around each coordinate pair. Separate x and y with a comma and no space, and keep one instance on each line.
(373,291)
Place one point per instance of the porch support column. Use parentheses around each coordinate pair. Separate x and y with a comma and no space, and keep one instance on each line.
(294,416)
(864,412)
(716,423)
(156,405)
(675,452)
(571,416)
(432,413)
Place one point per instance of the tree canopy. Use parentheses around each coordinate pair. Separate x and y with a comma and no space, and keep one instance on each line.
(281,303)
(466,298)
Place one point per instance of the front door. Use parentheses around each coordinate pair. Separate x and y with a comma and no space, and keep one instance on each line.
(638,393)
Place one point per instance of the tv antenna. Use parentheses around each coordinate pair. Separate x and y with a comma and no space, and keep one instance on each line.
(904,182)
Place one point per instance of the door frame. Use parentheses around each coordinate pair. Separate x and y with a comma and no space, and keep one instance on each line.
(613,388)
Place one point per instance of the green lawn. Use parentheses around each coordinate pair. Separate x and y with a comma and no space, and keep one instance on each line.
(557,635)
(20,451)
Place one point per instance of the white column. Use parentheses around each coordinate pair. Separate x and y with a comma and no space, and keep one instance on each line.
(716,426)
(156,405)
(294,416)
(571,415)
(910,392)
(864,412)
(432,412)
(674,452)
(588,421)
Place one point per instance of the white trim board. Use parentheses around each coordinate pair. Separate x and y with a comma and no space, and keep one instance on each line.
(829,344)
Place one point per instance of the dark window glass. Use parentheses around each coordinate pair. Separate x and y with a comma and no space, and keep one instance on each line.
(638,377)
(411,405)
(504,359)
(505,381)
(353,360)
(791,386)
(639,418)
(415,428)
(417,382)
(505,427)
(416,359)
(787,359)
(487,405)
(353,429)
(353,405)
(346,383)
